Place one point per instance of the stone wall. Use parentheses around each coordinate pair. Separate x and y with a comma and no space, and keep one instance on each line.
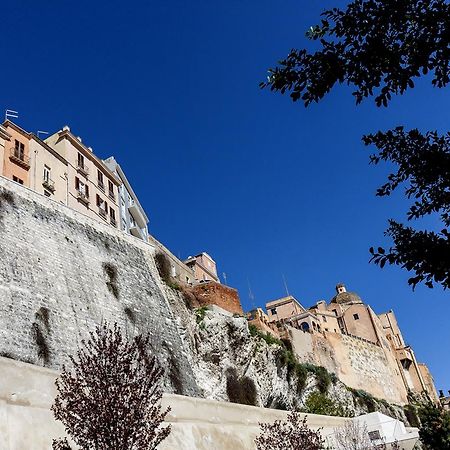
(26,422)
(357,363)
(212,293)
(61,273)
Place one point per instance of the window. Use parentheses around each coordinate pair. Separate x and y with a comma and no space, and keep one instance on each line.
(112,214)
(335,312)
(101,185)
(81,187)
(356,316)
(324,318)
(80,160)
(19,150)
(374,435)
(110,189)
(47,176)
(273,311)
(17,180)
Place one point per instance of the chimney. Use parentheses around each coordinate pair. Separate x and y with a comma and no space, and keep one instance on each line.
(79,139)
(340,288)
(66,128)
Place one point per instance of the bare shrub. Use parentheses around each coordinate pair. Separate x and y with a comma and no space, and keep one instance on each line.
(110,399)
(292,434)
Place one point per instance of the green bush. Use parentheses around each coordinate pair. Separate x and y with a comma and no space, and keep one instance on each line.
(411,415)
(364,399)
(200,314)
(318,403)
(435,430)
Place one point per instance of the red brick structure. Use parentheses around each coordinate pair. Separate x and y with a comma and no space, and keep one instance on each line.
(212,293)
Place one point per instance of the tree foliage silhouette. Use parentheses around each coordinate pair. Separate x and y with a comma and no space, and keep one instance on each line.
(380,47)
(110,398)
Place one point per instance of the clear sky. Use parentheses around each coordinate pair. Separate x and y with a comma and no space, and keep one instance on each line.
(265,186)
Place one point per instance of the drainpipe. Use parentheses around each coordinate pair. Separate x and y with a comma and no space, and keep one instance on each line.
(34,169)
(67,188)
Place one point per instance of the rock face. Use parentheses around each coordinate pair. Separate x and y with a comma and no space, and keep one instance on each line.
(61,273)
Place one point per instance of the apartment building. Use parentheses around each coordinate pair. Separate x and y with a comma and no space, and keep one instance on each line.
(132,217)
(30,161)
(16,157)
(5,139)
(92,188)
(204,267)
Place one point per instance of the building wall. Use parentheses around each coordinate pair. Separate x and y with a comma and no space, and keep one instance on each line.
(77,271)
(10,168)
(27,392)
(357,363)
(42,157)
(180,271)
(69,147)
(5,143)
(359,322)
(429,382)
(283,308)
(213,293)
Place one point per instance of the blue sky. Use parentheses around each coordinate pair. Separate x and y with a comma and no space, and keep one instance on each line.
(265,186)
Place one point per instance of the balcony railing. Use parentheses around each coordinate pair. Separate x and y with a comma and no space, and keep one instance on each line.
(101,185)
(81,168)
(83,197)
(111,195)
(113,222)
(19,158)
(102,212)
(49,184)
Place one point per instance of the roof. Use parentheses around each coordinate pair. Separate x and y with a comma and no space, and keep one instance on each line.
(346,297)
(30,136)
(283,301)
(65,133)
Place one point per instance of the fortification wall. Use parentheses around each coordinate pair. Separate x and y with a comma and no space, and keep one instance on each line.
(26,422)
(61,273)
(357,363)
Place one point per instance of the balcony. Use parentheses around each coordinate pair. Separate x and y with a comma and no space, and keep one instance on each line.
(102,212)
(83,197)
(137,213)
(101,185)
(49,184)
(19,158)
(113,222)
(81,168)
(112,196)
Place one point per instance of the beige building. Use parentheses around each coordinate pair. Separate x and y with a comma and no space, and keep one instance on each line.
(16,162)
(204,267)
(283,308)
(346,314)
(5,139)
(92,189)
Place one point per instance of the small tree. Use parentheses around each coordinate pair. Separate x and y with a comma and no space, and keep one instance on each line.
(292,434)
(435,427)
(111,397)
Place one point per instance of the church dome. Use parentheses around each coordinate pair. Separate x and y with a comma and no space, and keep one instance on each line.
(342,296)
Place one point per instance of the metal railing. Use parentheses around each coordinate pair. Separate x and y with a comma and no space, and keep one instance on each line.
(82,169)
(82,196)
(102,212)
(19,158)
(49,184)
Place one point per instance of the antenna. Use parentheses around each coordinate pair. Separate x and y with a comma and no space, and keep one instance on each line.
(285,284)
(224,278)
(10,113)
(41,132)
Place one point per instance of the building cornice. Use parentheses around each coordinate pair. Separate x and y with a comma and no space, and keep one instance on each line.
(65,134)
